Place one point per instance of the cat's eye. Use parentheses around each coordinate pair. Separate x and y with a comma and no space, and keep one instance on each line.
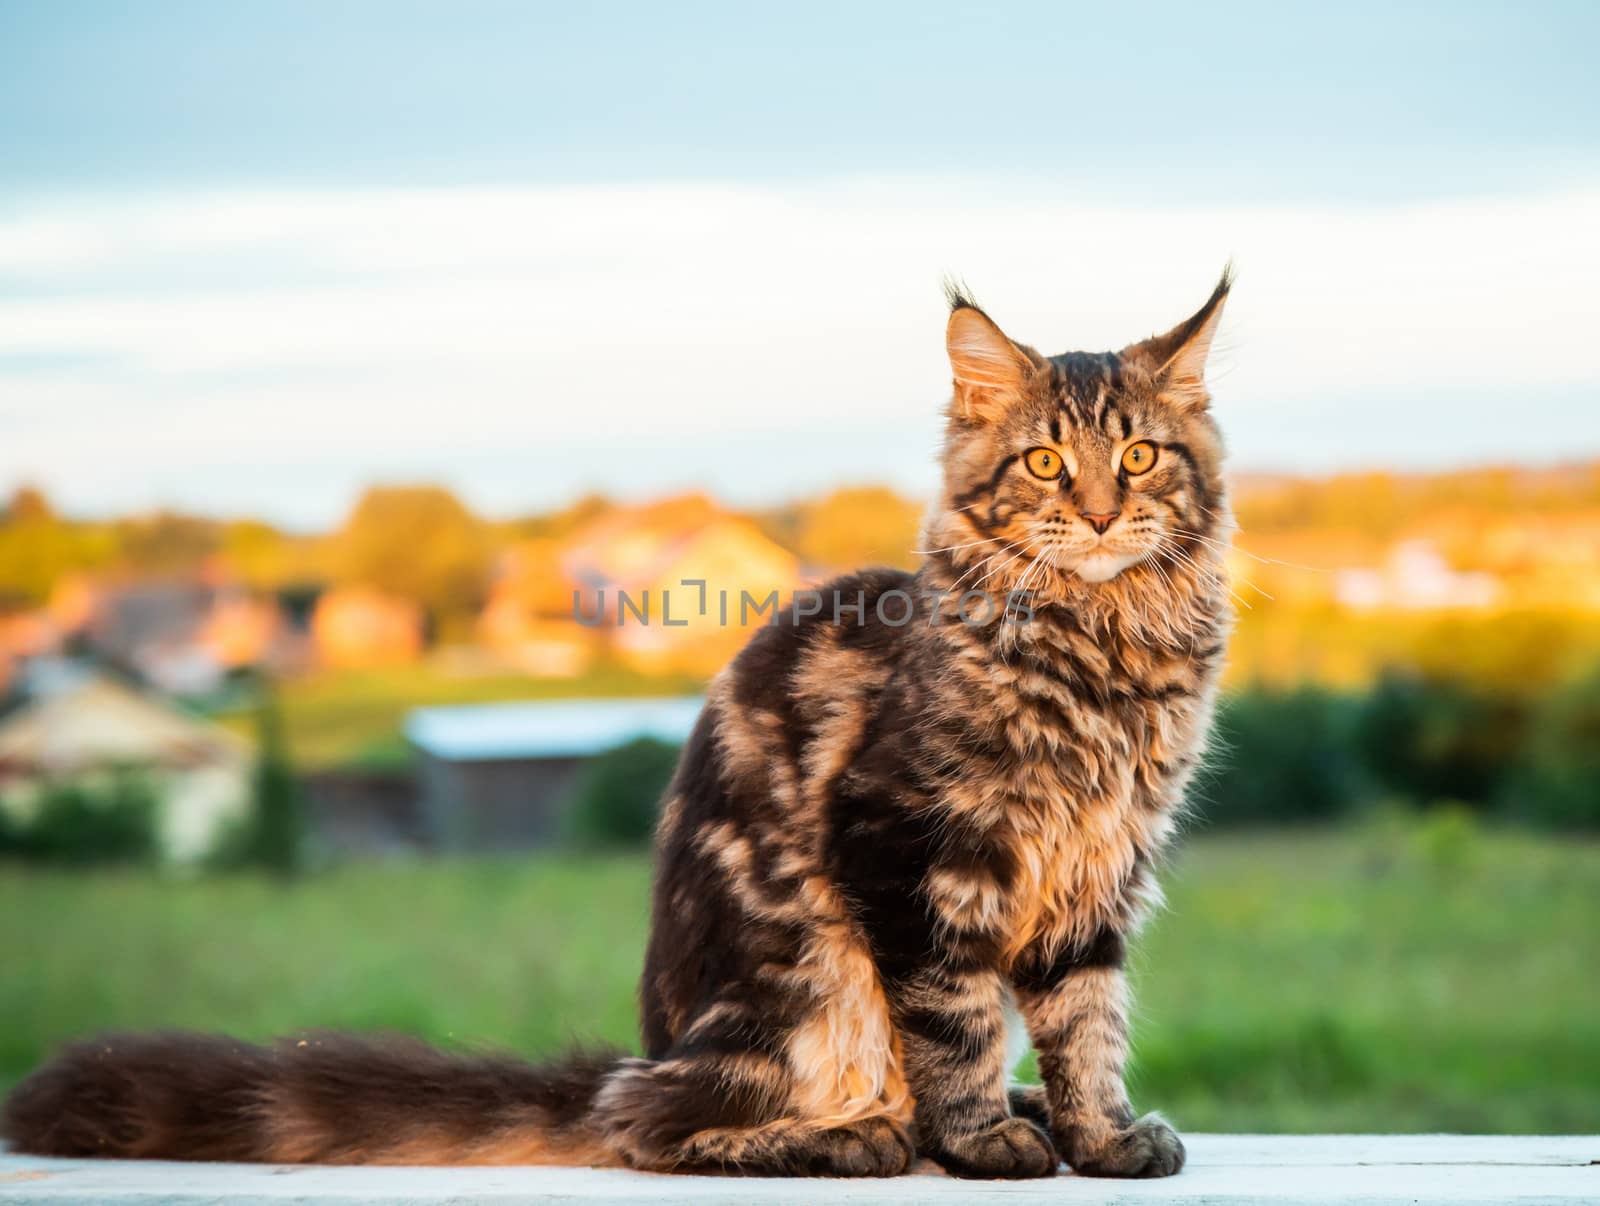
(1044,462)
(1139,458)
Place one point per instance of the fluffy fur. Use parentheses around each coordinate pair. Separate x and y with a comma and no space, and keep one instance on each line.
(884,838)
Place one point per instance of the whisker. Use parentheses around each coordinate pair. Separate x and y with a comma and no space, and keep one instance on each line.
(1209,574)
(1222,546)
(1263,593)
(978,565)
(950,548)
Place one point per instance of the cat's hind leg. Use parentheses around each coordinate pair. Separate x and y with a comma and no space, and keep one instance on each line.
(723,1100)
(876,1146)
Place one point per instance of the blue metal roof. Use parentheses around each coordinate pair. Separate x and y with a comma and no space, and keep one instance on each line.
(566,728)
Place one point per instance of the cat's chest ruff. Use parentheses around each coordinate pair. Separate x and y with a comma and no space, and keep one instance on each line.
(1081,732)
(1085,810)
(1072,861)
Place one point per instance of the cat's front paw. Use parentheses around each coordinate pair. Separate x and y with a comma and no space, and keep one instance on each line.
(1145,1148)
(1011,1149)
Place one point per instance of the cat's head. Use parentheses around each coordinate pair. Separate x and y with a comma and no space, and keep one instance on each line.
(1064,473)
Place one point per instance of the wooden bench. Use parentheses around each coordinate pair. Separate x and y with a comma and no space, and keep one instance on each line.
(1222,1169)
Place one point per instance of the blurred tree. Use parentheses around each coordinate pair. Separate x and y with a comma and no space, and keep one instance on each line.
(1385,504)
(109,821)
(1503,653)
(166,542)
(1430,740)
(276,832)
(854,527)
(558,525)
(29,505)
(617,798)
(264,557)
(419,542)
(38,547)
(1281,756)
(1557,777)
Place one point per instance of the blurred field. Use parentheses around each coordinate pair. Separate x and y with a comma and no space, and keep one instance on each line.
(1401,976)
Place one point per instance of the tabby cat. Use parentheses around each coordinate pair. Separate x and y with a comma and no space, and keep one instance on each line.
(906,825)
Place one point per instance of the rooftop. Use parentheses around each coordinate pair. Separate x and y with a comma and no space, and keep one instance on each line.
(86,720)
(567,728)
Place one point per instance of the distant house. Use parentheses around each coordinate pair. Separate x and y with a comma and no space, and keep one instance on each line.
(654,555)
(361,810)
(498,776)
(152,627)
(528,620)
(26,633)
(85,728)
(241,629)
(648,583)
(359,627)
(1415,577)
(184,635)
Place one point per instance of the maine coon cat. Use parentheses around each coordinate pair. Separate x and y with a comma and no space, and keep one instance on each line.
(900,824)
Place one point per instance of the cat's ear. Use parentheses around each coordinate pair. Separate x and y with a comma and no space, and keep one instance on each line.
(990,371)
(1177,360)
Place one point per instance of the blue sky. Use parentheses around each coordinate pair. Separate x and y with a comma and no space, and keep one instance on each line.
(252,256)
(1349,101)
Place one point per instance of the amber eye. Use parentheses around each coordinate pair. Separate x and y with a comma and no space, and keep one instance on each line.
(1139,458)
(1044,462)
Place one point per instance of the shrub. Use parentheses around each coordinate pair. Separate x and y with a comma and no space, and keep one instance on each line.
(1436,740)
(1556,779)
(276,833)
(616,798)
(83,822)
(1281,756)
(272,834)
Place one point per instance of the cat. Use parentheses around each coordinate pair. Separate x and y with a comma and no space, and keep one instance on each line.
(903,826)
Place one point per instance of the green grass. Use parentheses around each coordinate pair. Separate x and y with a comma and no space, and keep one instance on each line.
(1404,979)
(1392,978)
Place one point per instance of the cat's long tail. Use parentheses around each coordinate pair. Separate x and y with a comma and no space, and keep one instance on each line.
(323,1098)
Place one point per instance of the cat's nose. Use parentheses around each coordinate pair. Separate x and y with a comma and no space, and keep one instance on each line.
(1100,520)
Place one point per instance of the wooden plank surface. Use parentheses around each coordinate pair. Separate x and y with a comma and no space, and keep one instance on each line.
(1233,1169)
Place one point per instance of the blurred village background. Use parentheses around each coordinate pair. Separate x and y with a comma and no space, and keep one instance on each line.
(1420,642)
(341,345)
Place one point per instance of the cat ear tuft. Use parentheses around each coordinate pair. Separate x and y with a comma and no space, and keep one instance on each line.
(1177,360)
(990,371)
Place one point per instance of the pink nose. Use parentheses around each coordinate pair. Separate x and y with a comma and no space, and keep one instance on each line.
(1100,520)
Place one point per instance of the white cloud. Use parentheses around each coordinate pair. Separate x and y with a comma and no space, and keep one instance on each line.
(423,331)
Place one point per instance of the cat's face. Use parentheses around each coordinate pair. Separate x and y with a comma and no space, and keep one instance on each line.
(1078,468)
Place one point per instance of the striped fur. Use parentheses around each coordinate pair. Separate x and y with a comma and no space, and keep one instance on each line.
(884,840)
